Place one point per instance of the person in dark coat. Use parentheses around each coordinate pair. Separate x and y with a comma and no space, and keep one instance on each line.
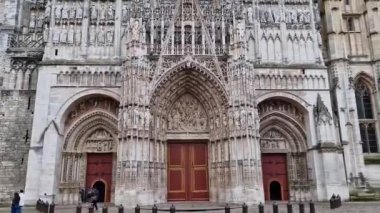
(94,198)
(15,208)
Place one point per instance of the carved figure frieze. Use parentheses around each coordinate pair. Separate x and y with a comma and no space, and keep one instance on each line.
(272,140)
(187,115)
(92,104)
(100,141)
(287,108)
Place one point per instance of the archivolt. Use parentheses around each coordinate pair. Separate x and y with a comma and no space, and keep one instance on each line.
(86,125)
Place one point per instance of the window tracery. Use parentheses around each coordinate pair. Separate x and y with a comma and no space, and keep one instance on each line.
(367,120)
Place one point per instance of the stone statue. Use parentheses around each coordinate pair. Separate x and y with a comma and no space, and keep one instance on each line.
(47,11)
(136,30)
(110,13)
(57,12)
(240,30)
(32,21)
(94,12)
(301,17)
(70,35)
(276,15)
(79,12)
(124,13)
(46,33)
(92,35)
(269,16)
(63,35)
(250,15)
(78,36)
(294,19)
(65,14)
(307,17)
(109,36)
(101,38)
(102,15)
(40,22)
(72,13)
(56,36)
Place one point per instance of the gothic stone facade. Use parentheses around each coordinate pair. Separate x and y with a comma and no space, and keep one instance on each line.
(128,78)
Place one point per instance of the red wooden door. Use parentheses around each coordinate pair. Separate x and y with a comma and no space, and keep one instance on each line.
(274,172)
(187,171)
(99,168)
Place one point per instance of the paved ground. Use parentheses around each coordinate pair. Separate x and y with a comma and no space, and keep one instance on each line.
(367,207)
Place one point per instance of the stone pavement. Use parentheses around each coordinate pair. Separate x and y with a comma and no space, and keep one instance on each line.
(350,207)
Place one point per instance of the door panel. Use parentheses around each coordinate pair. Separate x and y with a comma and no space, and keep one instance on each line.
(176,172)
(275,169)
(99,167)
(199,173)
(187,171)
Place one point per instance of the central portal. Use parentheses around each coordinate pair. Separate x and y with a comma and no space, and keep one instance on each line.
(187,172)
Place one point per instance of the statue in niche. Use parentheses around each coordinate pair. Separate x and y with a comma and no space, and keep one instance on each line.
(288,16)
(32,21)
(57,12)
(110,12)
(124,13)
(269,16)
(78,36)
(46,33)
(307,17)
(101,38)
(109,36)
(56,36)
(65,13)
(79,12)
(276,15)
(240,29)
(47,11)
(92,35)
(40,22)
(294,18)
(102,16)
(72,13)
(70,35)
(301,17)
(250,15)
(94,12)
(136,30)
(63,35)
(237,119)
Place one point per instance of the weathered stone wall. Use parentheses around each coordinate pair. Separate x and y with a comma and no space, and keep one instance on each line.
(16,116)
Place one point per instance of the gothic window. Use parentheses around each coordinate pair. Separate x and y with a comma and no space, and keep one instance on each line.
(350,24)
(367,121)
(188,35)
(363,101)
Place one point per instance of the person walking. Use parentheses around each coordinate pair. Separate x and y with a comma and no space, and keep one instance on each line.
(21,204)
(15,208)
(94,198)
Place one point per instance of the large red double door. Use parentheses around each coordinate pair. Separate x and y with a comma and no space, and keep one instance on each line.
(187,172)
(99,174)
(275,177)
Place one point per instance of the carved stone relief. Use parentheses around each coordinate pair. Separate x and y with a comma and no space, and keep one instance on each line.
(187,114)
(272,140)
(90,104)
(99,141)
(282,106)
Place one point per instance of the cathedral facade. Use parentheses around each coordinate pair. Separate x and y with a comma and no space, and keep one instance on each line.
(151,101)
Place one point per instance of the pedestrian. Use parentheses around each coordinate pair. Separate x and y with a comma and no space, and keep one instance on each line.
(15,203)
(94,198)
(22,201)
